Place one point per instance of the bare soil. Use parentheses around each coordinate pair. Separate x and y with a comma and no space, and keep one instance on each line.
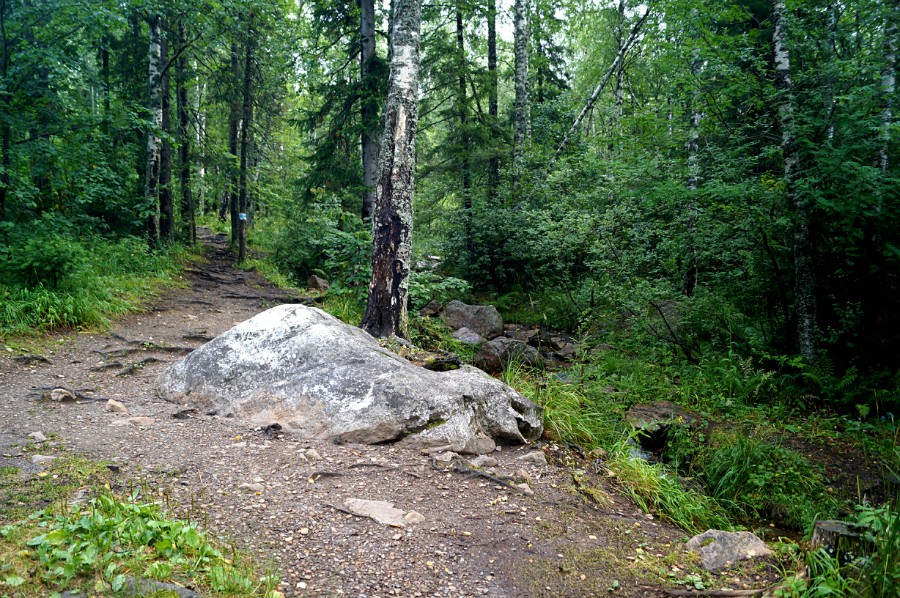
(478,538)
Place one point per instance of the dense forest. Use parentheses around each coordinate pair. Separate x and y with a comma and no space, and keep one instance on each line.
(705,195)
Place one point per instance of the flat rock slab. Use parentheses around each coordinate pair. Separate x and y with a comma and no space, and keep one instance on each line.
(383,512)
(323,379)
(650,417)
(719,549)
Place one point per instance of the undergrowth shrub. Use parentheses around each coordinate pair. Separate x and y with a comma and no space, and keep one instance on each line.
(758,480)
(324,239)
(112,277)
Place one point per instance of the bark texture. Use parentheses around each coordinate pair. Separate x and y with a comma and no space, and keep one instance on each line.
(523,104)
(184,141)
(462,109)
(246,119)
(804,278)
(494,165)
(166,200)
(386,310)
(888,82)
(154,141)
(368,106)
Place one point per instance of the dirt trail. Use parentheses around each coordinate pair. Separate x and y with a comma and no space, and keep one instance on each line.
(477,538)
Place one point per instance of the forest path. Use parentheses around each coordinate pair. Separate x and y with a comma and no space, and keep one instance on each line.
(477,538)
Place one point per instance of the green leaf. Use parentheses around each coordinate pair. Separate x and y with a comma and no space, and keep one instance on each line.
(14,581)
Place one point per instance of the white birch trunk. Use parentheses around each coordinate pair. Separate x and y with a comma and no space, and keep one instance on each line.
(386,310)
(523,105)
(154,141)
(804,278)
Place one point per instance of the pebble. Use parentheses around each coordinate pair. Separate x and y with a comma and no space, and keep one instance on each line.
(115,406)
(41,459)
(37,436)
(313,455)
(254,487)
(534,457)
(485,461)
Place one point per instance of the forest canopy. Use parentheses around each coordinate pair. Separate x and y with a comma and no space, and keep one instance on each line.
(717,180)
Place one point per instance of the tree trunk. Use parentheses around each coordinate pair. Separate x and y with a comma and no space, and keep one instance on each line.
(620,56)
(888,83)
(166,200)
(462,109)
(386,310)
(693,177)
(246,119)
(234,125)
(154,141)
(368,106)
(804,278)
(494,164)
(523,108)
(201,145)
(5,130)
(184,141)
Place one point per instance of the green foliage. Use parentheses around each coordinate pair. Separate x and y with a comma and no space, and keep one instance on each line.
(326,240)
(657,490)
(112,277)
(873,575)
(428,286)
(758,481)
(106,542)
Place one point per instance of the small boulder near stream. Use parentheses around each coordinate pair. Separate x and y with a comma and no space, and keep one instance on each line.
(322,379)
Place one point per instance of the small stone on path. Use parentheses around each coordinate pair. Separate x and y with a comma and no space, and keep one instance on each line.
(37,436)
(254,487)
(41,459)
(137,421)
(719,549)
(534,457)
(383,512)
(61,395)
(114,406)
(484,461)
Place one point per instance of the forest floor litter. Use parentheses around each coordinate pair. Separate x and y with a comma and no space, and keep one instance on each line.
(330,520)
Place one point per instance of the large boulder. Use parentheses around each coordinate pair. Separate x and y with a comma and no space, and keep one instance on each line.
(496,355)
(483,319)
(321,378)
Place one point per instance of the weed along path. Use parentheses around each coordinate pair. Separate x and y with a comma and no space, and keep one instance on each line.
(284,500)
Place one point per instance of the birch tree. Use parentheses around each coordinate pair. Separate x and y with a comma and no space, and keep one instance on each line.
(386,309)
(804,278)
(523,105)
(154,140)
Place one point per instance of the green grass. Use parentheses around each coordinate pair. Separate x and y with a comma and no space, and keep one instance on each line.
(105,543)
(113,278)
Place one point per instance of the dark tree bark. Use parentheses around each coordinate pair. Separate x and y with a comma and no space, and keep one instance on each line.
(154,141)
(184,142)
(462,109)
(5,130)
(234,125)
(523,107)
(494,164)
(246,119)
(166,200)
(888,83)
(804,278)
(386,310)
(368,106)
